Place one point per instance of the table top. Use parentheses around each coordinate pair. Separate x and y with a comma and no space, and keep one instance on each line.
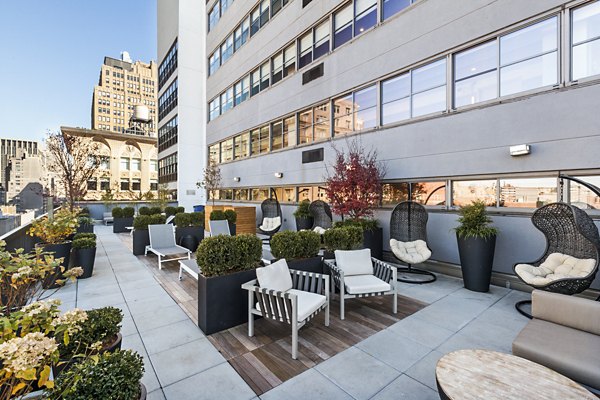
(485,374)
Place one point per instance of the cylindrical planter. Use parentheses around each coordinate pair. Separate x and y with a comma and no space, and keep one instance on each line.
(476,260)
(373,239)
(304,223)
(85,258)
(60,250)
(120,224)
(143,392)
(141,239)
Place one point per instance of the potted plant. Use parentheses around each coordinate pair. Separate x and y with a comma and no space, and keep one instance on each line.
(371,231)
(300,250)
(122,218)
(53,233)
(114,375)
(304,219)
(342,238)
(229,215)
(98,333)
(86,224)
(476,245)
(84,251)
(225,262)
(141,236)
(179,209)
(155,210)
(191,224)
(170,210)
(144,210)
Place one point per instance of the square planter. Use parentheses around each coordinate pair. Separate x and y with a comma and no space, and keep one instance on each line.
(120,224)
(85,228)
(222,304)
(195,231)
(373,239)
(312,264)
(141,239)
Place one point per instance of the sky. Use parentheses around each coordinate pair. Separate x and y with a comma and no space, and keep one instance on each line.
(52,51)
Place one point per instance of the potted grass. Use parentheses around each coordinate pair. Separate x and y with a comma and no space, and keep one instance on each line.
(229,215)
(97,334)
(304,219)
(141,236)
(114,375)
(86,224)
(189,224)
(53,234)
(225,262)
(300,250)
(122,218)
(84,252)
(342,238)
(476,245)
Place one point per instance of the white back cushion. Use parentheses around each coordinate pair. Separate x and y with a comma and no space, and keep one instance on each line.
(269,224)
(275,276)
(354,262)
(319,230)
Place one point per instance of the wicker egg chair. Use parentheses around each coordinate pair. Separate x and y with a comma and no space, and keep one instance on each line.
(272,217)
(321,213)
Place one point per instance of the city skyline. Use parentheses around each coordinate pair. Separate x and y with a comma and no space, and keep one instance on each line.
(55,50)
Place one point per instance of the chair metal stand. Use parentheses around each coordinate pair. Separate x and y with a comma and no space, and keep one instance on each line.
(519,306)
(431,277)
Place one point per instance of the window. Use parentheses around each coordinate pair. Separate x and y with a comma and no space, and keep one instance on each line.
(289,132)
(527,193)
(394,193)
(465,192)
(255,142)
(242,33)
(342,23)
(306,47)
(365,15)
(395,99)
(581,196)
(342,114)
(391,7)
(153,184)
(214,62)
(586,41)
(214,109)
(136,164)
(225,5)
(305,122)
(321,39)
(92,184)
(255,21)
(124,184)
(476,74)
(213,16)
(264,12)
(255,82)
(277,68)
(265,72)
(227,150)
(241,194)
(167,66)
(241,146)
(260,194)
(227,49)
(365,108)
(275,6)
(168,100)
(124,164)
(277,135)
(227,100)
(529,58)
(104,184)
(322,121)
(104,162)
(264,139)
(289,60)
(214,153)
(153,165)
(136,184)
(429,88)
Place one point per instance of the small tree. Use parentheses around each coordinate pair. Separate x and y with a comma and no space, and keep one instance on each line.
(75,160)
(354,182)
(212,180)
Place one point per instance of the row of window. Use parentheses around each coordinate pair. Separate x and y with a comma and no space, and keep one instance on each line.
(104,184)
(249,26)
(168,100)
(167,168)
(168,65)
(216,12)
(350,21)
(502,193)
(167,134)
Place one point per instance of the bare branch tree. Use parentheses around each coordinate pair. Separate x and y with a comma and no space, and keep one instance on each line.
(212,180)
(75,160)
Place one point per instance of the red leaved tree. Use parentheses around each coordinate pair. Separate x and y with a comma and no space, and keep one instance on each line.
(354,183)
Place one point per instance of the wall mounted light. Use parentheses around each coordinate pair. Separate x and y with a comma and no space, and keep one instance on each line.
(520,150)
(278,175)
(236,178)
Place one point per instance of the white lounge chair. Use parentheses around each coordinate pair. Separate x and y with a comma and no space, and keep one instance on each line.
(162,243)
(220,227)
(288,296)
(107,218)
(357,274)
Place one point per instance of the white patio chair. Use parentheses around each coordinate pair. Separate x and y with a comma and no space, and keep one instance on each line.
(357,274)
(288,296)
(219,228)
(162,243)
(107,218)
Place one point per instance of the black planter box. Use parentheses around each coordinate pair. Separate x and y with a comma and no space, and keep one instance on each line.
(312,264)
(222,303)
(85,228)
(141,239)
(304,224)
(120,224)
(60,250)
(85,259)
(373,239)
(476,260)
(231,228)
(195,231)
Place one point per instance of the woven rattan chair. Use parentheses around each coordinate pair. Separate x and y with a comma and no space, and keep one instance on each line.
(321,213)
(408,240)
(271,214)
(570,233)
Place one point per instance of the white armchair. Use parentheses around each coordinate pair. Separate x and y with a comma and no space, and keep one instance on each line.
(356,274)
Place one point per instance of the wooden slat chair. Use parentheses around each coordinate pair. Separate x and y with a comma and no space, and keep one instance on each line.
(308,294)
(356,274)
(162,243)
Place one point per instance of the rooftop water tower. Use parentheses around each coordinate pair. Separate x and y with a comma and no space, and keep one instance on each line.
(139,123)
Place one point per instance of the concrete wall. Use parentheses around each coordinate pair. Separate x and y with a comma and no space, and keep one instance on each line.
(97,209)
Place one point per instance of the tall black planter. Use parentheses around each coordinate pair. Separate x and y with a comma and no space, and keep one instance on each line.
(141,239)
(312,264)
(373,239)
(60,250)
(120,224)
(222,304)
(304,223)
(231,228)
(85,259)
(476,259)
(195,231)
(85,228)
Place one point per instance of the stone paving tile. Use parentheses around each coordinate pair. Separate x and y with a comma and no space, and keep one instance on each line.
(397,351)
(173,335)
(421,331)
(98,301)
(156,395)
(143,306)
(309,385)
(424,370)
(161,317)
(406,388)
(150,380)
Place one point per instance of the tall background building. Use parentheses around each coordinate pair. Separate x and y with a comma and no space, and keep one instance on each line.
(10,148)
(123,85)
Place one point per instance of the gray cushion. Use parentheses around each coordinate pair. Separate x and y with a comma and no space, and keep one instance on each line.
(354,262)
(275,276)
(360,284)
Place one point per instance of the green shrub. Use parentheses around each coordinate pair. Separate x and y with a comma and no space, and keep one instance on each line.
(155,210)
(303,210)
(170,211)
(180,209)
(102,325)
(141,222)
(183,220)
(84,243)
(128,212)
(366,224)
(474,221)
(110,376)
(231,216)
(84,212)
(343,238)
(217,215)
(144,210)
(83,220)
(197,218)
(222,255)
(293,245)
(84,235)
(117,212)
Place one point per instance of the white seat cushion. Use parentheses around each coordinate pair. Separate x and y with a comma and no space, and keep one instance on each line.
(275,276)
(270,224)
(556,266)
(308,303)
(354,262)
(319,230)
(414,252)
(360,284)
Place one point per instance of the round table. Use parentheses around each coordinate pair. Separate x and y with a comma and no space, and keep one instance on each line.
(485,374)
